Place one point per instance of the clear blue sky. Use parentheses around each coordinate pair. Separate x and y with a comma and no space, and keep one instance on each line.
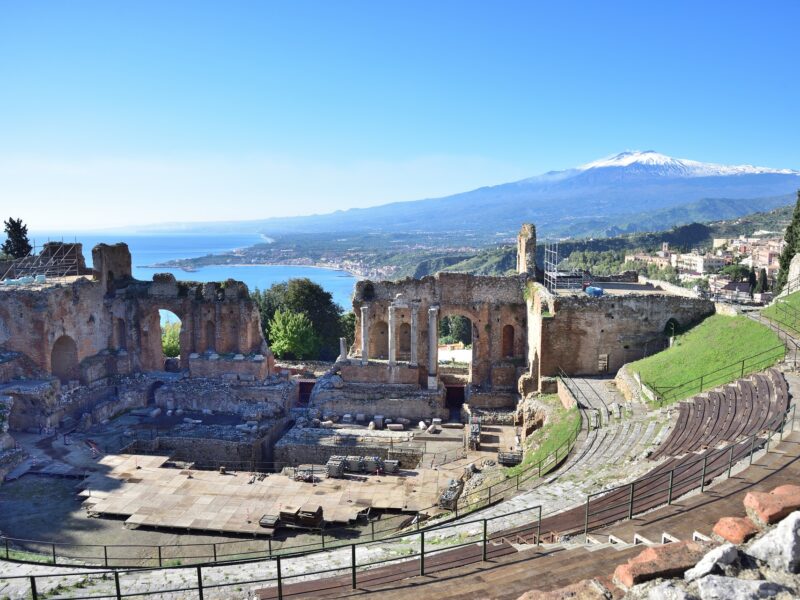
(116,113)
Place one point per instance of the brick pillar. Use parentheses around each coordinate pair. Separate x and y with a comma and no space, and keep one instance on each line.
(392,337)
(364,335)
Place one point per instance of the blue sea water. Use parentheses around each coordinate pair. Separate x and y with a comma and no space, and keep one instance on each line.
(147,250)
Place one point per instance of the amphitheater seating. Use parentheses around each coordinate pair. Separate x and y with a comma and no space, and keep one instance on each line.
(724,415)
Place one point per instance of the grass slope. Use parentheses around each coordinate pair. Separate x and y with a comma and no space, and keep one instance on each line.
(785,311)
(713,349)
(553,435)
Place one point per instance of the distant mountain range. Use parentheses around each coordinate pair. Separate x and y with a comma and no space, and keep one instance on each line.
(628,192)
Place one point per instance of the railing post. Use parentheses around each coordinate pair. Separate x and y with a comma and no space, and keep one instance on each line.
(517,481)
(630,501)
(269,547)
(703,474)
(353,563)
(116,585)
(769,437)
(422,553)
(34,594)
(280,583)
(539,526)
(105,555)
(742,375)
(322,533)
(730,461)
(701,383)
(159,556)
(54,553)
(200,582)
(752,447)
(586,522)
(669,491)
(6,540)
(372,527)
(214,550)
(484,540)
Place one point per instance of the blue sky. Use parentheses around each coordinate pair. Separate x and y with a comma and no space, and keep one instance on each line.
(118,113)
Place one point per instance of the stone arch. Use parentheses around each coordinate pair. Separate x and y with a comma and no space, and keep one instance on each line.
(379,340)
(64,359)
(508,341)
(672,327)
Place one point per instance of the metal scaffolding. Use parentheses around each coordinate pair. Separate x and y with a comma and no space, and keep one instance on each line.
(55,260)
(556,279)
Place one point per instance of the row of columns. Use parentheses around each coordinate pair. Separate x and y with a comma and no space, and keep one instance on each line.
(433,336)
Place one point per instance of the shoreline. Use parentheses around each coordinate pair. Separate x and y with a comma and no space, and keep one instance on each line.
(327,268)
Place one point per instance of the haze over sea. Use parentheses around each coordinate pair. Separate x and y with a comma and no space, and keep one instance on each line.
(147,250)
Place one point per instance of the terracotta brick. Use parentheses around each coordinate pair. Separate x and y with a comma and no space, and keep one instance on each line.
(670,560)
(767,508)
(735,530)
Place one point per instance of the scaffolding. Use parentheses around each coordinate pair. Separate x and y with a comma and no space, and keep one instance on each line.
(55,260)
(556,279)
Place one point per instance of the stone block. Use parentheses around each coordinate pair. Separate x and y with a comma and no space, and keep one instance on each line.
(395,427)
(768,508)
(780,547)
(670,560)
(736,530)
(238,357)
(715,587)
(713,562)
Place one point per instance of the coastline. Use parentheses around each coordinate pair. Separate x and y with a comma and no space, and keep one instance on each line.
(326,267)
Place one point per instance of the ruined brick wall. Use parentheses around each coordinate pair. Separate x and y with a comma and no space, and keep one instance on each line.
(575,331)
(491,304)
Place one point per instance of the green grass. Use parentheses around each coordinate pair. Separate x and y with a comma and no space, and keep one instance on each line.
(785,311)
(552,435)
(715,349)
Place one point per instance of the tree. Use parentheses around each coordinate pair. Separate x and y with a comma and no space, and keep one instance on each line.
(171,339)
(736,273)
(752,279)
(763,283)
(454,329)
(348,326)
(292,335)
(17,244)
(792,247)
(304,296)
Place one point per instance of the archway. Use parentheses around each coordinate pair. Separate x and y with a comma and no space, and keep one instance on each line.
(64,359)
(211,336)
(379,340)
(171,347)
(508,341)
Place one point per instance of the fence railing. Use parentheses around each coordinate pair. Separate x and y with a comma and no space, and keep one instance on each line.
(622,502)
(480,534)
(721,376)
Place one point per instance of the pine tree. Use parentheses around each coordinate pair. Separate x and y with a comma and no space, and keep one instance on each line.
(17,244)
(763,284)
(792,247)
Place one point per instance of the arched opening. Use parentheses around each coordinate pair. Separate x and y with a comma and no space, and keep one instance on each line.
(151,392)
(671,328)
(456,356)
(404,341)
(508,341)
(379,340)
(120,334)
(64,359)
(211,336)
(171,340)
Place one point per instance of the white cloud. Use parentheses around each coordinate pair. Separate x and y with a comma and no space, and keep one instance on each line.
(86,193)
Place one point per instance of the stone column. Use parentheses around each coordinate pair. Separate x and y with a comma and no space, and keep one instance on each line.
(364,335)
(392,337)
(414,335)
(342,349)
(433,347)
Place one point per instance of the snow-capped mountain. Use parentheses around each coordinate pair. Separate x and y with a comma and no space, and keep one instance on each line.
(631,191)
(661,164)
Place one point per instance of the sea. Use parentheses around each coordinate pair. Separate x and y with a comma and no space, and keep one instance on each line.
(147,250)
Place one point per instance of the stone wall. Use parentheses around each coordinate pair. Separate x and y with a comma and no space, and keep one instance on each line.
(492,399)
(392,401)
(577,332)
(494,305)
(379,372)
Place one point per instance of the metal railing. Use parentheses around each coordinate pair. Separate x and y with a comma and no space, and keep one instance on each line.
(662,488)
(721,376)
(627,500)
